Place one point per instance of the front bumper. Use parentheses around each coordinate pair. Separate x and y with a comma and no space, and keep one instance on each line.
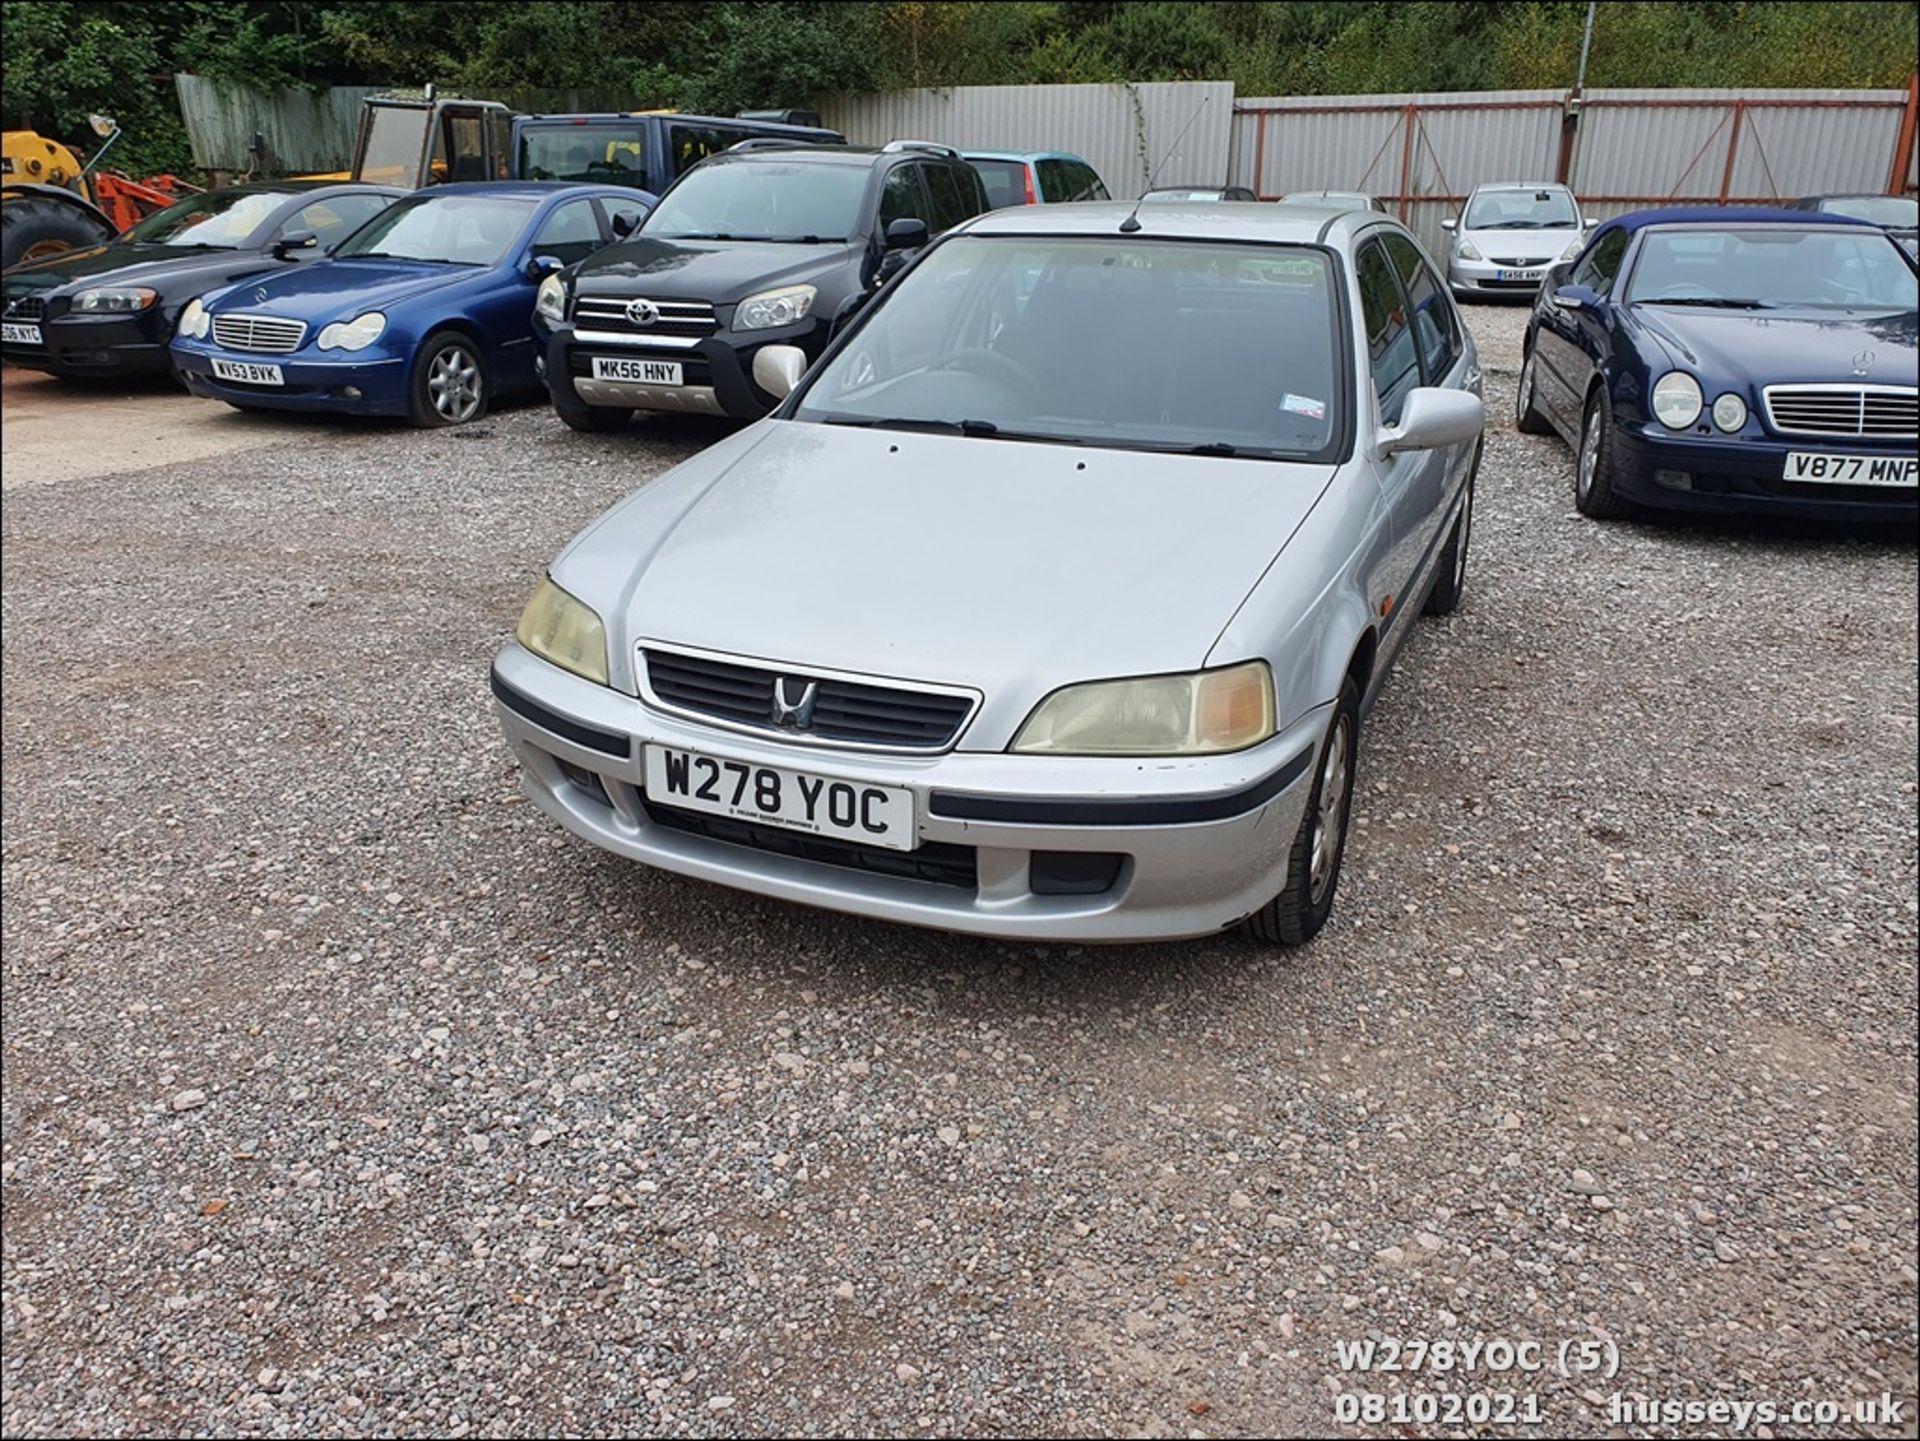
(1482,277)
(311,385)
(77,346)
(716,372)
(1662,470)
(1193,846)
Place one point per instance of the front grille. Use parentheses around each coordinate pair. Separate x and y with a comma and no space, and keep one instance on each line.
(673,317)
(24,307)
(940,862)
(845,712)
(1519,261)
(263,334)
(1878,412)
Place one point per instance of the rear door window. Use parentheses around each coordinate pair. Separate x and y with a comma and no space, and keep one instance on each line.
(690,144)
(1435,333)
(950,207)
(1391,357)
(1055,185)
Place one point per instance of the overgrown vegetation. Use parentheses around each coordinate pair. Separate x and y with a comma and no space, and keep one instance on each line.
(64,58)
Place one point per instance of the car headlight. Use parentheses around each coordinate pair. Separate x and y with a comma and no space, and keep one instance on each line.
(1677,400)
(194,320)
(558,628)
(769,308)
(551,302)
(1574,247)
(1202,714)
(355,334)
(1467,250)
(115,300)
(1730,412)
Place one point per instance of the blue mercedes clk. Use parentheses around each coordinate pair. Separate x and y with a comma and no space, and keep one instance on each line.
(1745,361)
(426,311)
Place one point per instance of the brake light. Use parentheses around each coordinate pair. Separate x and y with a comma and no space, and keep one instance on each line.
(1031,199)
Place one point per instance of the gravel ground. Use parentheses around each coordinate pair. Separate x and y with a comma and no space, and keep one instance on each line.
(344,1094)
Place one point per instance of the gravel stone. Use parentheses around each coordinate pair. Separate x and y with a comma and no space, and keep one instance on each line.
(1639,749)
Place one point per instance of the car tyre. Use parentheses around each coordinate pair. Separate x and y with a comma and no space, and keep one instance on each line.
(589,419)
(1593,492)
(1450,583)
(1527,418)
(1296,915)
(450,384)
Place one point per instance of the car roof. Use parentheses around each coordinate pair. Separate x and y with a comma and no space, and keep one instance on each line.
(520,189)
(1257,220)
(1727,215)
(1521,185)
(815,154)
(1855,195)
(1020,155)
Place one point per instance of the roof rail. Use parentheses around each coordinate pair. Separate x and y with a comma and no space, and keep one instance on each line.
(765,142)
(928,147)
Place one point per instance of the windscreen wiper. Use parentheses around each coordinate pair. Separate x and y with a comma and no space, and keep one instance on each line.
(1713,302)
(975,429)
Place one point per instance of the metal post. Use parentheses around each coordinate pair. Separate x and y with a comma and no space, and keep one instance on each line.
(1733,150)
(1586,44)
(1259,155)
(1406,162)
(1903,147)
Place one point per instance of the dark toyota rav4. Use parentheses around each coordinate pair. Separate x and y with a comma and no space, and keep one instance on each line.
(767,244)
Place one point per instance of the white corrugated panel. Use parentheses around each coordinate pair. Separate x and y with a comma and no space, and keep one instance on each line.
(1121,130)
(1655,149)
(303,130)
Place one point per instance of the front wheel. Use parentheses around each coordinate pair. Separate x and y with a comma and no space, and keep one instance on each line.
(1593,492)
(449,385)
(1527,418)
(1296,915)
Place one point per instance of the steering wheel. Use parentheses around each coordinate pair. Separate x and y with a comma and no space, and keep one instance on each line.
(992,365)
(1686,290)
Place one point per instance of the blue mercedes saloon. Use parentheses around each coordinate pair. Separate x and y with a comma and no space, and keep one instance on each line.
(424,312)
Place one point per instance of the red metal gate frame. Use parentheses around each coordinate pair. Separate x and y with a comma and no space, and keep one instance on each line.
(1411,126)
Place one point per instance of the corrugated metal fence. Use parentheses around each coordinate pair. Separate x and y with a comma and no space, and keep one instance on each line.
(1628,150)
(1121,130)
(300,130)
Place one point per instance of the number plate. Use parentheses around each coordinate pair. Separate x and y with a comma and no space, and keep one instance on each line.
(776,796)
(20,334)
(1518,274)
(646,372)
(1811,468)
(248,372)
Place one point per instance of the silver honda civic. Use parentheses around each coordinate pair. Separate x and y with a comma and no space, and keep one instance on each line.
(1048,603)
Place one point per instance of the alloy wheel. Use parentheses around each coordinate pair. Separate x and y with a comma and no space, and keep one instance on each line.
(453,383)
(1589,466)
(1329,821)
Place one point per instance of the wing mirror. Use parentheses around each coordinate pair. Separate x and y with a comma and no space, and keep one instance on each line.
(624,223)
(906,233)
(1449,226)
(295,240)
(1577,297)
(541,266)
(1590,222)
(778,368)
(1433,419)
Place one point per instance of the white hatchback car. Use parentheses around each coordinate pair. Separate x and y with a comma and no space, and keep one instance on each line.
(1508,236)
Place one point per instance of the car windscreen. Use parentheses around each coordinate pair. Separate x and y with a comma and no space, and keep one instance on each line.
(1767,267)
(1544,209)
(762,200)
(1200,347)
(1897,212)
(220,219)
(1201,197)
(601,154)
(450,229)
(1006,181)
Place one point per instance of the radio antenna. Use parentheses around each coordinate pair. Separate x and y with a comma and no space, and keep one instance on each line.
(1132,222)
